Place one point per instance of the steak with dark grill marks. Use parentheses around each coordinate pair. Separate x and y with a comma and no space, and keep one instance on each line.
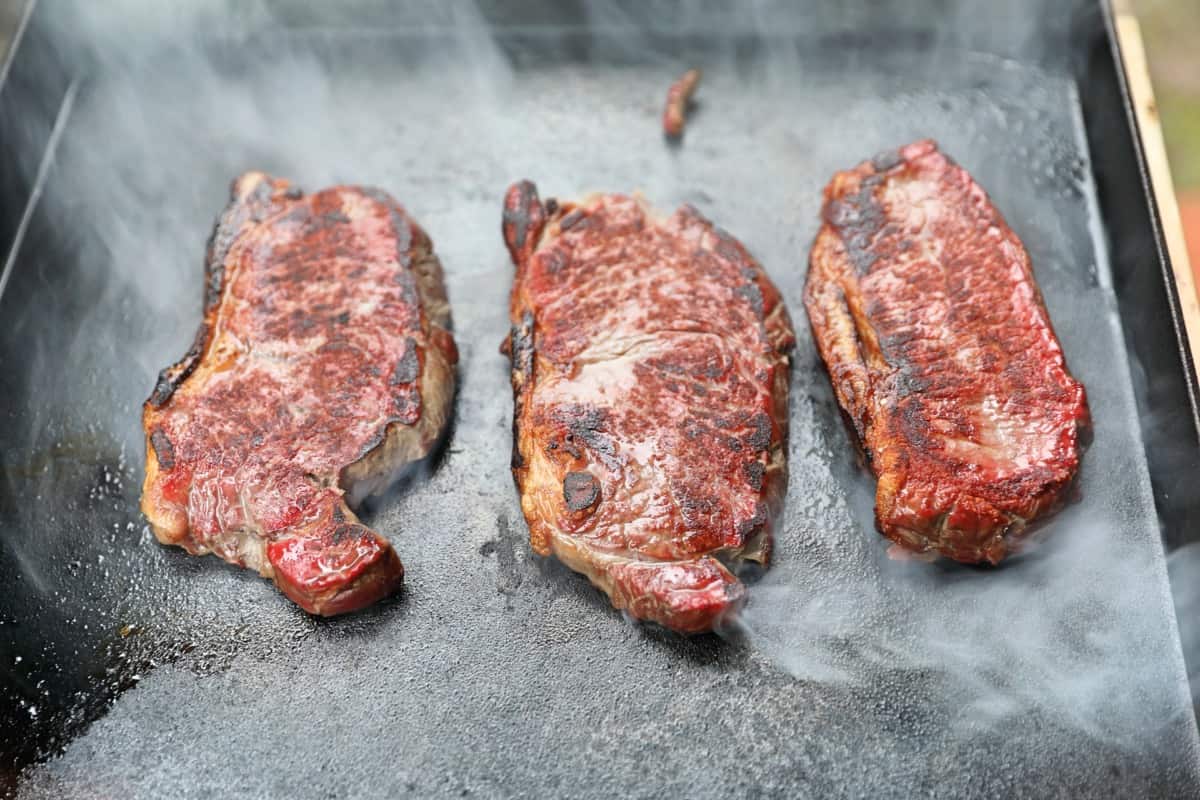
(926,313)
(323,367)
(650,365)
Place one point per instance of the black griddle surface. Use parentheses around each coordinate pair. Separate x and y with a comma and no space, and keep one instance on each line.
(497,673)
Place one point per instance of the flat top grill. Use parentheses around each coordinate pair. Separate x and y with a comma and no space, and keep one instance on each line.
(495,672)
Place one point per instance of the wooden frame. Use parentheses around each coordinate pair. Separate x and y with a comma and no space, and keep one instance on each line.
(1141,93)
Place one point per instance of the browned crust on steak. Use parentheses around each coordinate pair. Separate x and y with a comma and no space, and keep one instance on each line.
(650,425)
(252,199)
(428,364)
(925,310)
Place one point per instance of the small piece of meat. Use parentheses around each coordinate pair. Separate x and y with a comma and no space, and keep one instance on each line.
(942,356)
(323,367)
(678,98)
(650,362)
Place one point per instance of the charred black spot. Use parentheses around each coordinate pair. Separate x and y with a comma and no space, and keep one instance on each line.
(342,318)
(408,286)
(690,210)
(212,290)
(700,389)
(753,295)
(760,438)
(909,383)
(164,387)
(858,217)
(580,490)
(673,367)
(227,228)
(407,405)
(375,440)
(554,261)
(171,377)
(725,236)
(403,258)
(730,252)
(695,508)
(163,450)
(570,220)
(896,341)
(293,193)
(752,525)
(318,223)
(520,351)
(408,368)
(520,216)
(754,471)
(261,194)
(586,424)
(338,516)
(521,348)
(516,461)
(914,425)
(551,205)
(347,531)
(886,160)
(302,322)
(400,225)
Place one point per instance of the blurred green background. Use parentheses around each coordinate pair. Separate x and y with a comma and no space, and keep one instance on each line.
(1171,29)
(1171,33)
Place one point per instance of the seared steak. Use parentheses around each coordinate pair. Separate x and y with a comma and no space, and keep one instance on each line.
(650,379)
(324,365)
(926,313)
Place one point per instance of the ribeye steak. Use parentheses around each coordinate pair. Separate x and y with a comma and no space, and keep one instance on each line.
(926,312)
(650,362)
(323,367)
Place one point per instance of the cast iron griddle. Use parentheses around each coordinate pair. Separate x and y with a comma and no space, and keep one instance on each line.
(496,673)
